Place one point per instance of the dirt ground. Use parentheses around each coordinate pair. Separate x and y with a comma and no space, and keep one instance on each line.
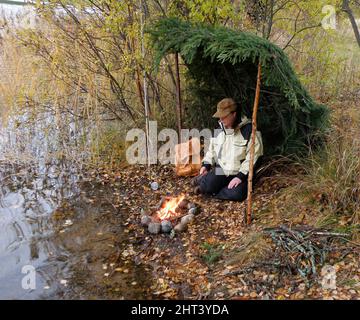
(217,257)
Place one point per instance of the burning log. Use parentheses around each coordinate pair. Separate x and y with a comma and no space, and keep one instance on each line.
(162,202)
(184,204)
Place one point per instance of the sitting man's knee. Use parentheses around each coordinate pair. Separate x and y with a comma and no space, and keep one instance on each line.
(209,184)
(236,194)
(207,187)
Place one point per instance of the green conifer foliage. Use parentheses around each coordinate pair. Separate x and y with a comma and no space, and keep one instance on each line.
(223,62)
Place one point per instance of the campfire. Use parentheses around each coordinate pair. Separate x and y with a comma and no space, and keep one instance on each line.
(170,209)
(172,213)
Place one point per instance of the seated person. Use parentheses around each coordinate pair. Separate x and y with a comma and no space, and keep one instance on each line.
(225,167)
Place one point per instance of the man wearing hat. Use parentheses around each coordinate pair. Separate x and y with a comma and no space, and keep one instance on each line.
(225,167)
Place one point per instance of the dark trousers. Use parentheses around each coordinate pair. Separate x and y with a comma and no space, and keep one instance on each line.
(217,185)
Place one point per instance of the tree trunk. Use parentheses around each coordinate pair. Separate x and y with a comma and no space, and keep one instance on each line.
(178,95)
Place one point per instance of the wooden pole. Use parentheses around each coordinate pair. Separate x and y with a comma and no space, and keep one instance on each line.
(252,147)
(146,101)
(178,95)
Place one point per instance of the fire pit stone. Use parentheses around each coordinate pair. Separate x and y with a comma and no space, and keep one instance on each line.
(180,227)
(154,227)
(166,226)
(145,220)
(191,205)
(187,219)
(194,210)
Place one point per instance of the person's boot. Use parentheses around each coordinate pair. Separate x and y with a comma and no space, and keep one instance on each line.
(197,190)
(195,181)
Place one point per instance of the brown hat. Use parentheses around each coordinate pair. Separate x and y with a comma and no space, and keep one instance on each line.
(224,108)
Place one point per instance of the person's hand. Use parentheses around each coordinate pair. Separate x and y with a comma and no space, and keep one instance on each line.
(234,183)
(203,171)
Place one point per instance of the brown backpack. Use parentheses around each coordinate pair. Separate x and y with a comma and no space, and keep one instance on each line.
(187,158)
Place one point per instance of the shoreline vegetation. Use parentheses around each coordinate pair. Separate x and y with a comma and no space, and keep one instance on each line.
(85,68)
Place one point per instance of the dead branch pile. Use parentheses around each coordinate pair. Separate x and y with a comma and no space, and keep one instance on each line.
(301,249)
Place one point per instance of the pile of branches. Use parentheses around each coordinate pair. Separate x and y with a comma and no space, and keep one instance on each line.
(301,249)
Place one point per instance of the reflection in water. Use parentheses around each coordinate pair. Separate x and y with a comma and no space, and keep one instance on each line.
(41,183)
(33,183)
(26,203)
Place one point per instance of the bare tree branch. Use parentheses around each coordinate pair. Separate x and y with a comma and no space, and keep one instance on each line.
(346,8)
(299,31)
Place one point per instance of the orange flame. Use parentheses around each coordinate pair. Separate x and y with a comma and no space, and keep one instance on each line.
(169,210)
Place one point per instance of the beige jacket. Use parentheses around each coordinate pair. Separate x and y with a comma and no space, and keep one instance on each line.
(232,152)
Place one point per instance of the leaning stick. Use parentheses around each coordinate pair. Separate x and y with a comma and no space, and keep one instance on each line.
(252,147)
(178,95)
